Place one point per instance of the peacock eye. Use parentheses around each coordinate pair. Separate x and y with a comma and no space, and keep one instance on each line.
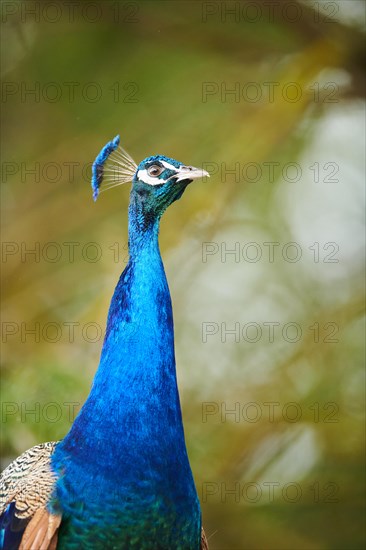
(155,170)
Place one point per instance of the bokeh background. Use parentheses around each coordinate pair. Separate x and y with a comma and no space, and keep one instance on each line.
(270,98)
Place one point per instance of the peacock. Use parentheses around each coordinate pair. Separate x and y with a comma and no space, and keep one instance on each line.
(121,477)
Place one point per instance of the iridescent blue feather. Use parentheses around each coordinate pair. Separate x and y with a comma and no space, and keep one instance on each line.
(98,165)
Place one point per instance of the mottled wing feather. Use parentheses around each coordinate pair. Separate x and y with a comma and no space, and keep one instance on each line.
(28,482)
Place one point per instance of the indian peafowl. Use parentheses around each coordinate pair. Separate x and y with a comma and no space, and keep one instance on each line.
(121,477)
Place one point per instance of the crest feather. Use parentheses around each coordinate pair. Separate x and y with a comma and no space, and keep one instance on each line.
(113,166)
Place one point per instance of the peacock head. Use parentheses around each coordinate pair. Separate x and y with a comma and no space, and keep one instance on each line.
(157,181)
(162,180)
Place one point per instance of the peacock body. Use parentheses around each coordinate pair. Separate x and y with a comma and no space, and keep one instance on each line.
(121,477)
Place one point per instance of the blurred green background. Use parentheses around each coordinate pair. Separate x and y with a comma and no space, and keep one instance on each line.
(274,412)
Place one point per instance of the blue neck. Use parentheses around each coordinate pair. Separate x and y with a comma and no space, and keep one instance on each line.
(124,462)
(143,228)
(134,401)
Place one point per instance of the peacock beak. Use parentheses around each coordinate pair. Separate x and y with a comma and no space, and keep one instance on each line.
(191,173)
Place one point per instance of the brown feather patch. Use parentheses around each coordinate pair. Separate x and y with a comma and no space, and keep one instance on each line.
(40,531)
(204,543)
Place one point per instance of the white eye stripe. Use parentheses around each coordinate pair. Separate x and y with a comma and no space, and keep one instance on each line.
(167,165)
(150,180)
